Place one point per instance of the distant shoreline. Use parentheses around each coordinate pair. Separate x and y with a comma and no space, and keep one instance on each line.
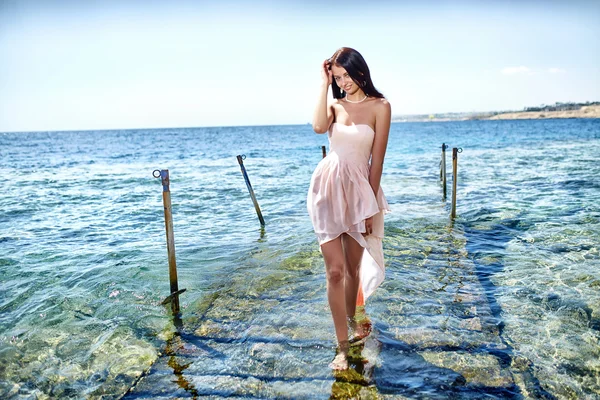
(583,112)
(548,112)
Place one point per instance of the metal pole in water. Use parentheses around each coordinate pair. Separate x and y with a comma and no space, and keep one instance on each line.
(455,152)
(441,160)
(256,206)
(443,171)
(174,296)
(324,151)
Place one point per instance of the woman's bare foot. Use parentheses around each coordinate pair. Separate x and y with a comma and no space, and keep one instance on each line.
(340,362)
(361,330)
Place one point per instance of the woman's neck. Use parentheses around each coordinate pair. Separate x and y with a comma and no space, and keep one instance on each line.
(357,97)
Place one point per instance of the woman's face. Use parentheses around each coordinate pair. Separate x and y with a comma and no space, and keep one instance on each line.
(343,80)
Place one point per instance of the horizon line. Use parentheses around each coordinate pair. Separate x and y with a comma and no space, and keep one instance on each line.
(394,119)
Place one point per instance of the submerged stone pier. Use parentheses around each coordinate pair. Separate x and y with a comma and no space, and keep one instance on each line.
(265,331)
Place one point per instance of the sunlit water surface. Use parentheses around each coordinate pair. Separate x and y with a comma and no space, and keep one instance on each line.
(504,303)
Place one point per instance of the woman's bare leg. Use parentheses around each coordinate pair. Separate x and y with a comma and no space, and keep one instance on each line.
(353,253)
(334,266)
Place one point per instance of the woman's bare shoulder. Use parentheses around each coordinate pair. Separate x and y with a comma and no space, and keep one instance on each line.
(381,107)
(378,104)
(336,104)
(382,103)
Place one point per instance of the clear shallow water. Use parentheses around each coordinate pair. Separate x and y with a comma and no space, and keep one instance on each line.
(504,303)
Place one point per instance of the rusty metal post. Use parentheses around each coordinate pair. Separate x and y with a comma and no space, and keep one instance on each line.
(443,172)
(455,152)
(174,296)
(256,206)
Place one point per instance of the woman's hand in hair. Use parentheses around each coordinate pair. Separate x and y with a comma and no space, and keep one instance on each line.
(326,73)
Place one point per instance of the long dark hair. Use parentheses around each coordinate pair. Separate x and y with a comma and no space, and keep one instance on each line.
(357,68)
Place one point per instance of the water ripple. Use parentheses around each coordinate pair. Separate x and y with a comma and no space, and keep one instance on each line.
(502,303)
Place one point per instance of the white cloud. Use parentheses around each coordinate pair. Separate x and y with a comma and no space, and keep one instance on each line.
(515,70)
(556,70)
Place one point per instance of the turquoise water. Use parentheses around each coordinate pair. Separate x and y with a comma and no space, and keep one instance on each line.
(502,303)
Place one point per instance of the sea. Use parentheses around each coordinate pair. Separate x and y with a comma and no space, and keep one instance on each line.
(502,301)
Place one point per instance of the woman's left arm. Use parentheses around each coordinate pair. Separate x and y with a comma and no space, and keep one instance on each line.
(383,119)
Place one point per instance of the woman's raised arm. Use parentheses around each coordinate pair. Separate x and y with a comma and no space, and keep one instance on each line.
(323,116)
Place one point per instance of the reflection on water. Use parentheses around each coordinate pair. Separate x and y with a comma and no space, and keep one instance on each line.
(502,303)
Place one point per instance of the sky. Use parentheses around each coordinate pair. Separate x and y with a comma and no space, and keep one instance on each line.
(85,65)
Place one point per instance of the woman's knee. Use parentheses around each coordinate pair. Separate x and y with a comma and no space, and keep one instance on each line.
(335,274)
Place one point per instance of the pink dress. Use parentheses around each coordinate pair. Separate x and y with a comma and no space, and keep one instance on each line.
(340,198)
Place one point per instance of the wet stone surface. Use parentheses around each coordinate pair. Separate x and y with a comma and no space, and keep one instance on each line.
(271,336)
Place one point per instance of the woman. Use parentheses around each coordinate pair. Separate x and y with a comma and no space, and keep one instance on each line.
(345,202)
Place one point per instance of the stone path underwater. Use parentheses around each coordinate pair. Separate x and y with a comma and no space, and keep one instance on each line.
(266,332)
